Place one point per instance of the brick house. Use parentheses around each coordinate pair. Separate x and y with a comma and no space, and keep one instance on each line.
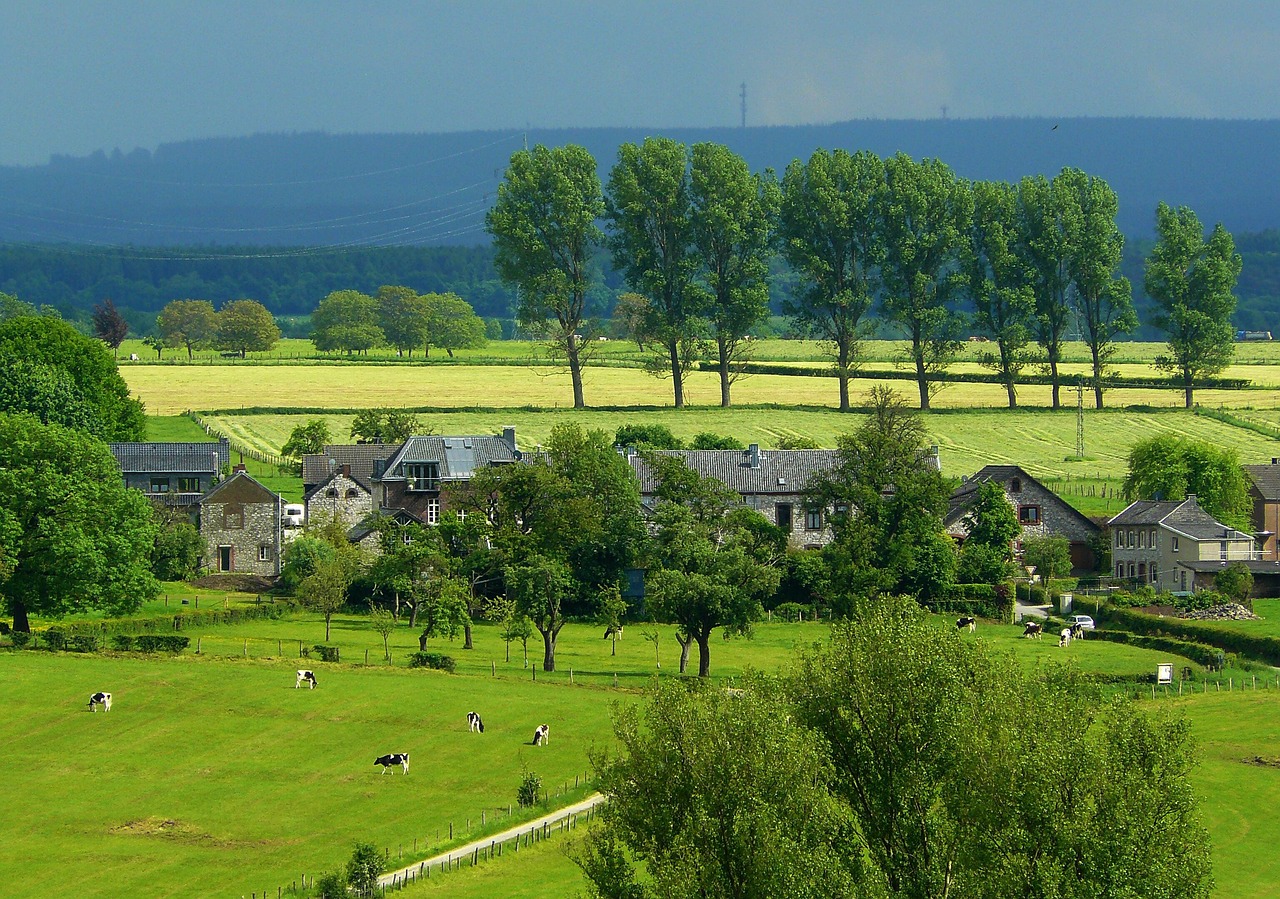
(772,482)
(172,474)
(1041,512)
(240,521)
(1179,547)
(1264,490)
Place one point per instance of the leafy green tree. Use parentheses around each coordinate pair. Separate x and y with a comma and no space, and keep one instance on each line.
(346,320)
(545,233)
(454,325)
(189,323)
(1049,556)
(385,425)
(1169,467)
(73,538)
(732,219)
(331,886)
(59,365)
(175,555)
(109,325)
(445,605)
(1045,240)
(651,436)
(827,232)
(1235,582)
(411,556)
(705,440)
(992,520)
(1101,297)
(540,587)
(302,558)
(796,442)
(246,326)
(982,564)
(649,206)
(364,868)
(325,590)
(1191,282)
(924,223)
(720,796)
(512,625)
(157,343)
(404,316)
(383,623)
(611,613)
(12,307)
(998,281)
(308,438)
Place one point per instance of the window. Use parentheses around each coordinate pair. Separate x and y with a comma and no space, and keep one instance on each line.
(331,492)
(1184,579)
(188,485)
(1222,549)
(264,553)
(1029,514)
(159,485)
(1142,569)
(782,514)
(232,517)
(352,493)
(1142,539)
(422,476)
(462,515)
(1175,544)
(1152,543)
(1131,539)
(1119,569)
(813,519)
(1015,486)
(1154,578)
(1119,539)
(433,511)
(1130,569)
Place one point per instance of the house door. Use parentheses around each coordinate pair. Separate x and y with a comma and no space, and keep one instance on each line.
(226,556)
(783,512)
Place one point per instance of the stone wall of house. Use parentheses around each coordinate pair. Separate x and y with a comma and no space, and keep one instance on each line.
(342,496)
(257,537)
(801,535)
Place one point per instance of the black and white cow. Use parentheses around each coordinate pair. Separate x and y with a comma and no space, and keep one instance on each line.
(1077,631)
(392,759)
(306,677)
(541,735)
(969,622)
(100,699)
(474,722)
(1032,629)
(612,631)
(1064,639)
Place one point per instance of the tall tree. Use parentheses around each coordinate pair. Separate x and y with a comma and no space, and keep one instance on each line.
(109,325)
(541,587)
(404,316)
(73,538)
(1170,467)
(311,437)
(246,326)
(346,320)
(1102,298)
(987,554)
(189,323)
(827,231)
(1191,281)
(452,324)
(1045,239)
(924,225)
(998,281)
(732,219)
(544,229)
(12,307)
(649,206)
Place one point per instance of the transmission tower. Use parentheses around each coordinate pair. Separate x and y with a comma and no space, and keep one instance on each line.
(1080,420)
(743,95)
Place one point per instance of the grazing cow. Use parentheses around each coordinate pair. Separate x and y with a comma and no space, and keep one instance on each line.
(541,735)
(100,699)
(1077,631)
(969,622)
(133,357)
(474,722)
(1064,639)
(394,758)
(306,677)
(1032,629)
(611,631)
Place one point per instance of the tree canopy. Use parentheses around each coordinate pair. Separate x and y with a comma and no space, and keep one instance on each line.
(246,326)
(1170,467)
(189,323)
(346,321)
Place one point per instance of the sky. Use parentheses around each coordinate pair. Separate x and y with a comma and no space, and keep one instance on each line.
(81,76)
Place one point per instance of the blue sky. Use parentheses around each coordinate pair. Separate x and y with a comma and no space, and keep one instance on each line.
(80,76)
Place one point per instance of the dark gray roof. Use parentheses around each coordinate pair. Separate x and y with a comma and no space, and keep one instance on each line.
(1255,566)
(318,467)
(241,487)
(779,471)
(1267,479)
(459,457)
(159,458)
(1185,517)
(964,495)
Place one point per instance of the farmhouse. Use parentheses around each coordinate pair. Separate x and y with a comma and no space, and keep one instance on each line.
(771,482)
(1041,512)
(339,481)
(172,474)
(1264,490)
(240,522)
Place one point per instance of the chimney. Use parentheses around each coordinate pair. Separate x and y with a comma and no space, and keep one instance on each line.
(1191,498)
(509,437)
(239,466)
(346,470)
(753,455)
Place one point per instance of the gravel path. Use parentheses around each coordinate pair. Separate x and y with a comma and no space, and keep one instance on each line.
(418,869)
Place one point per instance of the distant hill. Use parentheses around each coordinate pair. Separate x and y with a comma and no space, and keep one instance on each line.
(428,189)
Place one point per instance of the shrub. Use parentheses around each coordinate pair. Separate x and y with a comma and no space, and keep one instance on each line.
(527,792)
(436,660)
(4,628)
(54,639)
(83,643)
(1228,639)
(363,868)
(1035,594)
(122,642)
(705,440)
(327,653)
(331,886)
(647,437)
(161,643)
(20,638)
(982,600)
(1235,581)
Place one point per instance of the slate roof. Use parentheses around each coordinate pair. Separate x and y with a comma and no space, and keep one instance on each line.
(779,471)
(459,457)
(1186,517)
(1266,478)
(316,468)
(964,495)
(241,487)
(159,458)
(1255,566)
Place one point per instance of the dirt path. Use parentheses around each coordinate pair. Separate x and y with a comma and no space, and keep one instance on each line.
(484,844)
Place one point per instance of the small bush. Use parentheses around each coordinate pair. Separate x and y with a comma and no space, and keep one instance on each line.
(161,643)
(529,789)
(54,639)
(122,642)
(363,869)
(20,638)
(437,660)
(83,643)
(331,886)
(327,653)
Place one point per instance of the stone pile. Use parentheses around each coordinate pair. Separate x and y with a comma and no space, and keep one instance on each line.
(1230,611)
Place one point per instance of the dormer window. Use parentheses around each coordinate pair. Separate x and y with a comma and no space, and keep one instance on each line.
(422,476)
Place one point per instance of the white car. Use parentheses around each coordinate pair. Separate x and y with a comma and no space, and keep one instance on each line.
(1084,621)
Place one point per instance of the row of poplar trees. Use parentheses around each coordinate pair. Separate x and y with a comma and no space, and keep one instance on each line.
(693,231)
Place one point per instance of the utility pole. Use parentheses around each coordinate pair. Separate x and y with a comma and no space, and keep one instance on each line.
(944,111)
(743,95)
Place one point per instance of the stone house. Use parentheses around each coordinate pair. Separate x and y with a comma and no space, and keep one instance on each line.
(173,475)
(1041,512)
(240,522)
(1179,547)
(1264,490)
(339,481)
(770,481)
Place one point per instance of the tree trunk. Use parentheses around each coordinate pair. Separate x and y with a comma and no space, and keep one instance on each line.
(677,379)
(422,642)
(1053,378)
(842,375)
(20,621)
(1097,375)
(466,632)
(614,648)
(723,345)
(328,617)
(575,371)
(508,642)
(413,615)
(548,649)
(685,645)
(1189,388)
(1013,393)
(922,378)
(704,655)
